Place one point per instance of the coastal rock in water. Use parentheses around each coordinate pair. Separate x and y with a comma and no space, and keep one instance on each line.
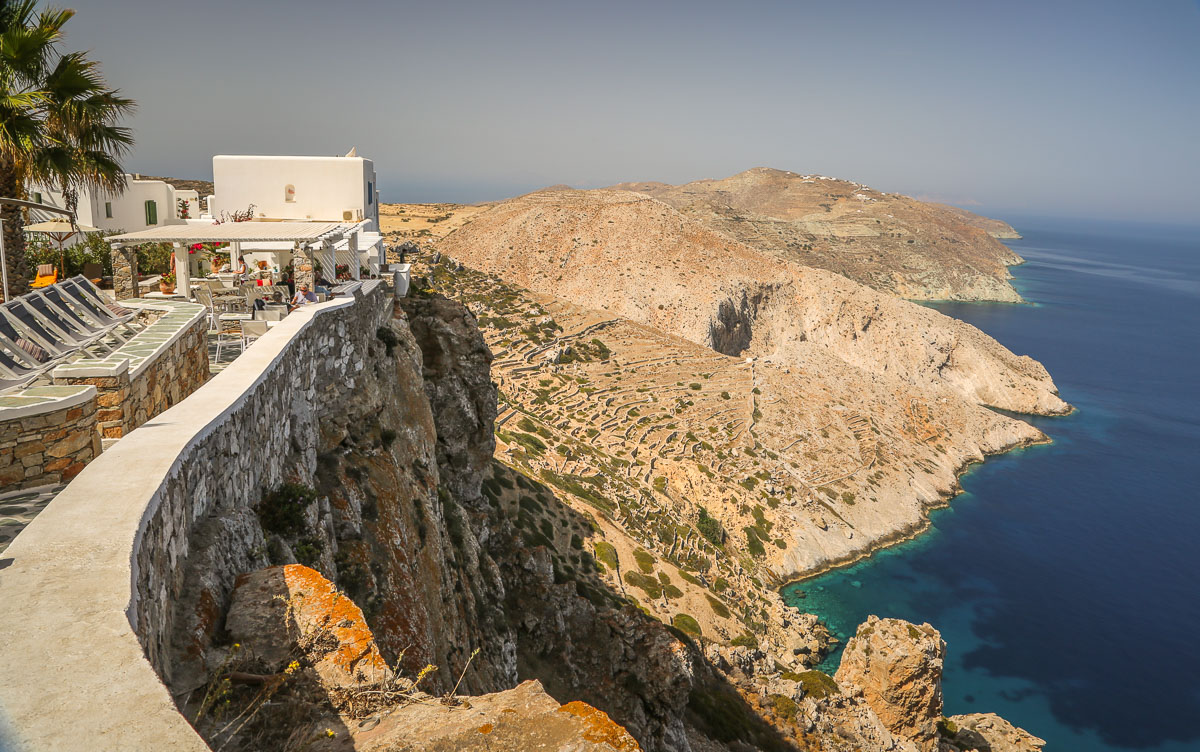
(280,613)
(898,668)
(987,732)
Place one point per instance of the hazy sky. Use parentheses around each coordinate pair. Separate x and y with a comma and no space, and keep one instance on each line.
(1050,107)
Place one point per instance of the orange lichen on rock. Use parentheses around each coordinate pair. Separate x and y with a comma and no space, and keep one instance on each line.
(292,611)
(600,728)
(319,605)
(486,728)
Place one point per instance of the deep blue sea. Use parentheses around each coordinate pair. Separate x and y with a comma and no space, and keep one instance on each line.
(1066,578)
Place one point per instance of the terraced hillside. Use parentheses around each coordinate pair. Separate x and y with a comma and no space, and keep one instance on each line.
(711,478)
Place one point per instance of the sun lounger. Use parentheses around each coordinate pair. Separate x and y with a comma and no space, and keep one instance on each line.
(38,331)
(61,325)
(15,373)
(97,309)
(59,302)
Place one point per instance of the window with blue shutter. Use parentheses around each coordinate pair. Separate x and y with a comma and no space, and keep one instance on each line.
(37,198)
(370,193)
(151,213)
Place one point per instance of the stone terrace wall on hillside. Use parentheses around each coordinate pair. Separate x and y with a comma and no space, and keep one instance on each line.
(48,442)
(233,461)
(88,585)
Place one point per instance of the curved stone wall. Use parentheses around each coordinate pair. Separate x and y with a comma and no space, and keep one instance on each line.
(87,588)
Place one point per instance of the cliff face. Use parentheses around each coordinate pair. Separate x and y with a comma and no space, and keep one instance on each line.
(464,593)
(892,243)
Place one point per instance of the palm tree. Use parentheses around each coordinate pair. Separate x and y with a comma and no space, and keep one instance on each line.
(58,119)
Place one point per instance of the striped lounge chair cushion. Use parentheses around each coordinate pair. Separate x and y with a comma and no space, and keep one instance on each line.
(33,350)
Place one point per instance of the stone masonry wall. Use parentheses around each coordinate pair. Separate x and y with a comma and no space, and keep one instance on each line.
(126,403)
(125,273)
(271,435)
(52,447)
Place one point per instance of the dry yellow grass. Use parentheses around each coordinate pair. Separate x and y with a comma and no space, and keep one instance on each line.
(400,222)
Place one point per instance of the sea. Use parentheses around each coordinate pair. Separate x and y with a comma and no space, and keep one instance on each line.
(1065,579)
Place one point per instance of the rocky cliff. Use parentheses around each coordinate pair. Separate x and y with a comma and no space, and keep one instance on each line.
(892,243)
(418,595)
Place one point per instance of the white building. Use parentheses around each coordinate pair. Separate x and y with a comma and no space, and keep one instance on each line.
(279,188)
(144,204)
(304,189)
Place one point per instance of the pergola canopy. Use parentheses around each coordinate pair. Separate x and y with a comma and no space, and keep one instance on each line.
(240,232)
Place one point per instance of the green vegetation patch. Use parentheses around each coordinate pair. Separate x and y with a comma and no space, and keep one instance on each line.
(719,608)
(753,544)
(747,641)
(817,684)
(644,560)
(686,623)
(606,554)
(710,528)
(281,511)
(645,583)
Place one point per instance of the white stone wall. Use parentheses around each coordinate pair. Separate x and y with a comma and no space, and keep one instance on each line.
(88,586)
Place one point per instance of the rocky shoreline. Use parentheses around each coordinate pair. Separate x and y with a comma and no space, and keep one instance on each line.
(912,532)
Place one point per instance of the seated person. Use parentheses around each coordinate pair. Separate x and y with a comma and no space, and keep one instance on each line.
(304,296)
(324,285)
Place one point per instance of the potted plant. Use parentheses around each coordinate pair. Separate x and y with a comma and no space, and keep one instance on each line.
(166,283)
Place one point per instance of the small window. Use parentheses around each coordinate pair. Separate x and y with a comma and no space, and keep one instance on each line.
(37,198)
(151,212)
(108,210)
(289,193)
(370,193)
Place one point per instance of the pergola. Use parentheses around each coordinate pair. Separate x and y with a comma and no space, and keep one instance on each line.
(307,239)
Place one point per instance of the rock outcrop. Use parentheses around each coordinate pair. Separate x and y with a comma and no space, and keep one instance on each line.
(280,614)
(898,668)
(515,720)
(987,732)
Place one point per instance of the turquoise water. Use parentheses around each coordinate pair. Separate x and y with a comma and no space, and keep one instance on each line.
(1066,579)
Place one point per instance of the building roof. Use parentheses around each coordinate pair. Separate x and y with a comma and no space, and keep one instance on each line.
(230,232)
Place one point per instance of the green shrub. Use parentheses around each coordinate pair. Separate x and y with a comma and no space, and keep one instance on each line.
(745,641)
(671,591)
(686,623)
(660,484)
(753,544)
(947,728)
(817,684)
(576,542)
(689,577)
(281,511)
(721,585)
(710,528)
(785,707)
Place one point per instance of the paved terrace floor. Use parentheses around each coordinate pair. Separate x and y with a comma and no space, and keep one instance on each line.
(17,509)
